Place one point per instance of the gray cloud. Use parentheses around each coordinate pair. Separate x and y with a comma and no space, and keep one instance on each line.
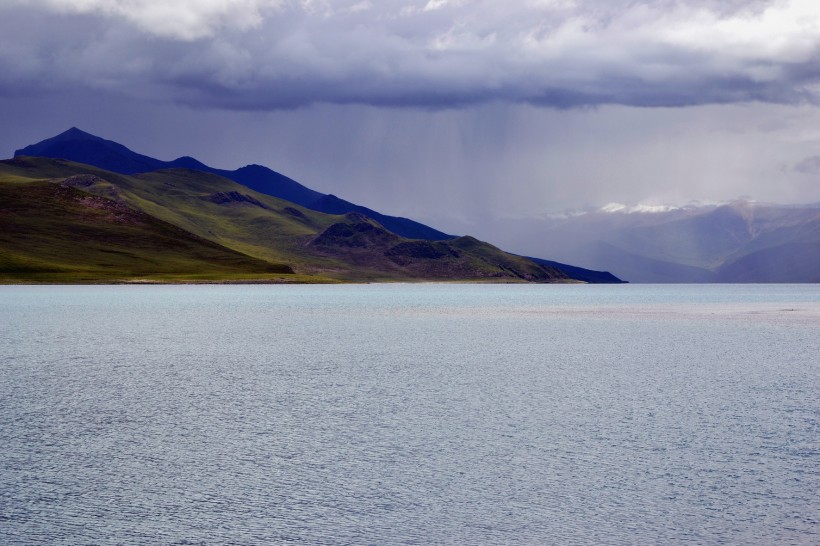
(271,54)
(468,115)
(809,165)
(483,170)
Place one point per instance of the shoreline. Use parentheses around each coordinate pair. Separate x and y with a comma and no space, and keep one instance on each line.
(155,282)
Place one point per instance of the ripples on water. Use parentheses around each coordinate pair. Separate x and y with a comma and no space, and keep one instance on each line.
(409,414)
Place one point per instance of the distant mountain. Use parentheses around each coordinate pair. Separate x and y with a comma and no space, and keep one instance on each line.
(740,241)
(62,221)
(81,147)
(791,262)
(641,269)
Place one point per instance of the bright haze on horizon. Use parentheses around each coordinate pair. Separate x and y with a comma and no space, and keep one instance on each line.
(456,113)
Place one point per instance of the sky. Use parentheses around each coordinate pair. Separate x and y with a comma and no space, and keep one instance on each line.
(457,113)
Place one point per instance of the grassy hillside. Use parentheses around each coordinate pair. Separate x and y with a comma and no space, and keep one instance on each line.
(81,147)
(265,231)
(378,253)
(51,232)
(203,204)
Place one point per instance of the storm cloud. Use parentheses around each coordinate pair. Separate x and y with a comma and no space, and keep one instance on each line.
(473,116)
(280,54)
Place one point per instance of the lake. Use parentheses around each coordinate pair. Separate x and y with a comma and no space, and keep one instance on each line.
(410,414)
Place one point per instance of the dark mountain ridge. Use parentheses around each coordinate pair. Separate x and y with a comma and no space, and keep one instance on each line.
(81,147)
(575,272)
(68,222)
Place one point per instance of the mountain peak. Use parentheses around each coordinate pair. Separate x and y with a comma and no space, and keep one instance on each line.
(254,168)
(77,145)
(640,208)
(188,162)
(71,135)
(74,130)
(81,147)
(74,134)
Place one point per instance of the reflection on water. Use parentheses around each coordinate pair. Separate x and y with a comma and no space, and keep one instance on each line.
(409,413)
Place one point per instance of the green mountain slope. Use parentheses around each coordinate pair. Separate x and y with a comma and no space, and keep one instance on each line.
(377,252)
(81,147)
(272,231)
(52,232)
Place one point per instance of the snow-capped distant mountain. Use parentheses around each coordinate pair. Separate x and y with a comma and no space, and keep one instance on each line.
(740,241)
(638,209)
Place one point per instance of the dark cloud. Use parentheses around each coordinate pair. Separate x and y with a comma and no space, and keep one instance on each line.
(460,113)
(267,54)
(469,170)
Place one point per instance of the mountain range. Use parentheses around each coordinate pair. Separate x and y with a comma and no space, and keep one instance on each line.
(82,147)
(740,241)
(79,208)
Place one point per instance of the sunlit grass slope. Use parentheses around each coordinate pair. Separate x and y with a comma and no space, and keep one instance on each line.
(55,233)
(232,217)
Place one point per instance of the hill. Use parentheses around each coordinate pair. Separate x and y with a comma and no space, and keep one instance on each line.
(586,275)
(247,232)
(81,147)
(55,232)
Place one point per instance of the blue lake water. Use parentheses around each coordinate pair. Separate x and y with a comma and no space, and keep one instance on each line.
(415,414)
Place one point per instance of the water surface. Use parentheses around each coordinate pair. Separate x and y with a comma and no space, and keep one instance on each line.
(409,414)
